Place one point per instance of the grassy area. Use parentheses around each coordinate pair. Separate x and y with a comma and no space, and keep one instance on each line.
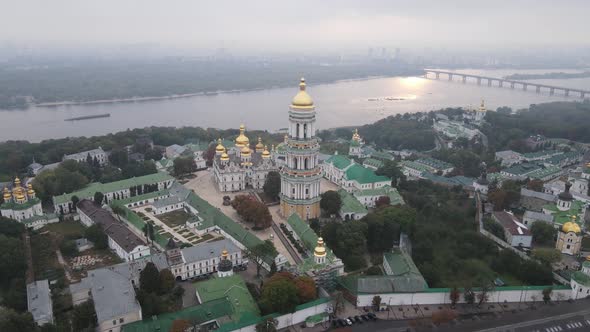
(45,263)
(174,218)
(68,229)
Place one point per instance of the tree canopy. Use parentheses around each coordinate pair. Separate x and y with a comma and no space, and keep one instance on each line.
(330,202)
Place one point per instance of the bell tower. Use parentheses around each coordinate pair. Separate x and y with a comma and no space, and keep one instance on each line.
(301,175)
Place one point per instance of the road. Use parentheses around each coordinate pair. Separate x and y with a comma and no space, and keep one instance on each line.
(286,243)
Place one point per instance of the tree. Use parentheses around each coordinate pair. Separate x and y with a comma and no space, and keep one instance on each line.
(306,289)
(272,184)
(84,316)
(75,201)
(535,185)
(12,259)
(547,256)
(184,165)
(469,296)
(261,251)
(98,198)
(382,201)
(68,248)
(392,170)
(454,295)
(149,278)
(118,211)
(119,158)
(338,300)
(179,325)
(267,325)
(252,211)
(543,233)
(150,303)
(148,231)
(11,320)
(331,202)
(314,224)
(279,296)
(167,281)
(376,302)
(547,294)
(96,235)
(482,296)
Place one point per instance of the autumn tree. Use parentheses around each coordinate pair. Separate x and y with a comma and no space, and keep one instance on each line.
(535,185)
(382,201)
(454,295)
(306,289)
(376,302)
(547,294)
(252,211)
(179,325)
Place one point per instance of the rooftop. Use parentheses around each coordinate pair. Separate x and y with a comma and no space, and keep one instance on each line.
(544,172)
(363,175)
(84,154)
(350,204)
(439,165)
(522,169)
(373,162)
(339,161)
(39,301)
(208,250)
(581,278)
(234,290)
(112,186)
(394,197)
(511,223)
(561,217)
(112,293)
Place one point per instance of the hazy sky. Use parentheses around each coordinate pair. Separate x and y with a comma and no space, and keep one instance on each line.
(302,25)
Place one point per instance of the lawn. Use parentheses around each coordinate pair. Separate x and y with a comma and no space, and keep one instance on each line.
(67,229)
(174,218)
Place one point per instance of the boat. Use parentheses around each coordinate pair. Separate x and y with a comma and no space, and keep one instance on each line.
(88,117)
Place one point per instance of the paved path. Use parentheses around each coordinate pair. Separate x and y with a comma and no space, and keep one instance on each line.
(63,263)
(167,228)
(286,243)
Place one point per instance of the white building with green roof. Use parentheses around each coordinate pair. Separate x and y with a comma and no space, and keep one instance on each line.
(580,282)
(350,175)
(115,190)
(368,197)
(351,208)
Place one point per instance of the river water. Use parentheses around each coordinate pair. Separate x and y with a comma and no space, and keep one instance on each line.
(344,103)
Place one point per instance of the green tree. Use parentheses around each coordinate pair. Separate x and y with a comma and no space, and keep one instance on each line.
(330,202)
(267,325)
(119,158)
(68,248)
(543,233)
(260,252)
(11,320)
(167,281)
(12,259)
(469,296)
(279,296)
(98,198)
(376,302)
(184,165)
(96,235)
(272,184)
(547,256)
(392,170)
(149,278)
(547,294)
(84,316)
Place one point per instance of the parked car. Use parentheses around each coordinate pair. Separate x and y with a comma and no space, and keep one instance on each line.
(372,316)
(348,321)
(342,323)
(365,318)
(357,319)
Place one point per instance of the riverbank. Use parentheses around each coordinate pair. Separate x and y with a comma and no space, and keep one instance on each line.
(546,76)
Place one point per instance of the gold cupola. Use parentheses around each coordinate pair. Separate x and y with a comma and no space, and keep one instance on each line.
(265,153)
(302,100)
(571,226)
(224,254)
(242,140)
(219,149)
(482,107)
(224,156)
(259,145)
(30,191)
(7,194)
(320,249)
(245,151)
(356,135)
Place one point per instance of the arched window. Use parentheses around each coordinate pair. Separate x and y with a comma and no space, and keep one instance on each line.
(305,130)
(297,133)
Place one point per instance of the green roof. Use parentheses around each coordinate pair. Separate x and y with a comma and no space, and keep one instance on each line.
(214,217)
(16,206)
(382,155)
(233,289)
(112,186)
(581,278)
(196,315)
(394,197)
(540,154)
(138,198)
(438,165)
(350,204)
(561,217)
(339,161)
(373,162)
(414,165)
(363,175)
(544,172)
(199,146)
(522,169)
(303,231)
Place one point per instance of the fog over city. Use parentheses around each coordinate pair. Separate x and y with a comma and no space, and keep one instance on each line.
(297,26)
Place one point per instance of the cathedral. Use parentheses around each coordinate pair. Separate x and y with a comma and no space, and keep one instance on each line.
(301,173)
(20,203)
(239,167)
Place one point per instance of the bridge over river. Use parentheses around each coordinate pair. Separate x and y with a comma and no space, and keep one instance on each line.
(500,82)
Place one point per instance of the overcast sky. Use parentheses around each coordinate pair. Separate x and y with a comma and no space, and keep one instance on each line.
(302,25)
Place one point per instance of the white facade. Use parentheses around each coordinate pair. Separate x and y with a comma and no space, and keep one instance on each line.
(128,256)
(205,262)
(20,203)
(97,154)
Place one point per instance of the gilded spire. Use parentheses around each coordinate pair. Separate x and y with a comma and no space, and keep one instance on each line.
(320,249)
(302,99)
(259,145)
(219,148)
(356,135)
(265,153)
(7,195)
(242,140)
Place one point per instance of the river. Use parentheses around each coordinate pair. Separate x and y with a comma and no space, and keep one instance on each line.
(345,103)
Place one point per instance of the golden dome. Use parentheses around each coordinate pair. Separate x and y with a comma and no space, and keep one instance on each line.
(224,156)
(259,145)
(20,197)
(320,250)
(224,254)
(571,227)
(7,194)
(242,140)
(30,190)
(482,107)
(265,153)
(302,99)
(356,135)
(219,148)
(16,182)
(245,151)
